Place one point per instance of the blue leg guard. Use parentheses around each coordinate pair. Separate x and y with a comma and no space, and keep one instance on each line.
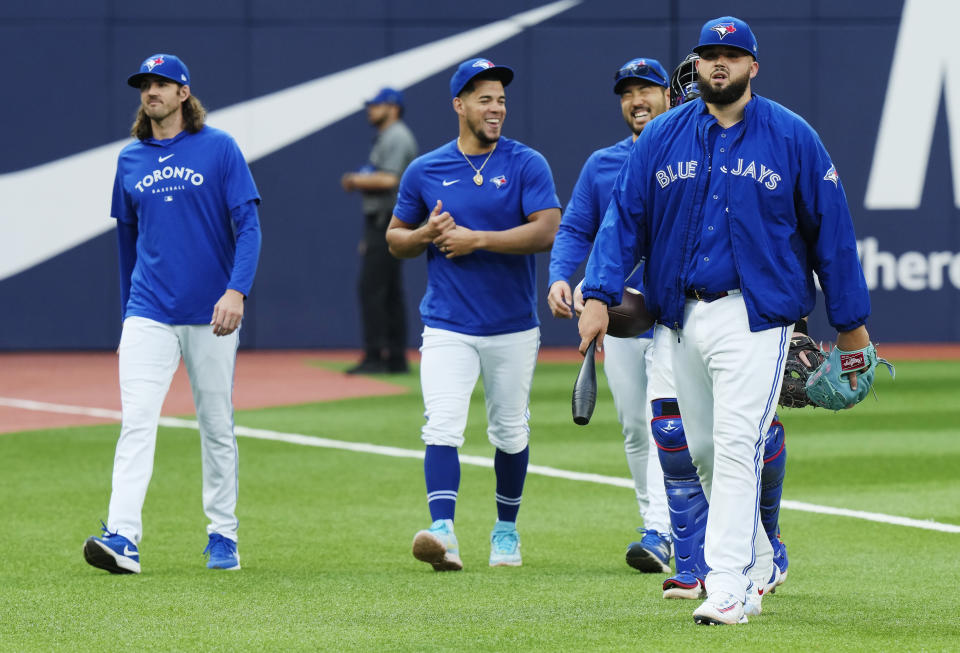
(685,499)
(771,490)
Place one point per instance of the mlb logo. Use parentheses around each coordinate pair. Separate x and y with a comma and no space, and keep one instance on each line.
(499,181)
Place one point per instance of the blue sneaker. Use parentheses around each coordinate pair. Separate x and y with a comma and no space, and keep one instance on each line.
(112,552)
(505,545)
(780,560)
(651,554)
(223,553)
(438,546)
(684,585)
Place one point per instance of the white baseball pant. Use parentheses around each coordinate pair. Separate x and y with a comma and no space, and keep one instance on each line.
(728,380)
(149,355)
(627,365)
(450,364)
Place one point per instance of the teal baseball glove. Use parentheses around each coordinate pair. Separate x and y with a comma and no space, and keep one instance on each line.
(829,386)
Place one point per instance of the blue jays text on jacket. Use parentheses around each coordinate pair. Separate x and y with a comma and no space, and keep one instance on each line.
(787,213)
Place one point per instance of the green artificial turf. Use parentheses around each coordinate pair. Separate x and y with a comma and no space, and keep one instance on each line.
(325,538)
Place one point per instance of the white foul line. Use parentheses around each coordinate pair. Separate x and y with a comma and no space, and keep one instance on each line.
(479,461)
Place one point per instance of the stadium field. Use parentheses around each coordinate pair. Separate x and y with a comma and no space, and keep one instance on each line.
(332,493)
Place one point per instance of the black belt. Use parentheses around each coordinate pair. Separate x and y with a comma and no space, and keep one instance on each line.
(710,296)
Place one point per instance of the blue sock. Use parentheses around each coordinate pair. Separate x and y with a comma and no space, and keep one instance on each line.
(511,471)
(441,469)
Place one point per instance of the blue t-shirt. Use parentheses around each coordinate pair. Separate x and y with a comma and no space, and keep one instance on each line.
(483,293)
(588,202)
(582,217)
(178,193)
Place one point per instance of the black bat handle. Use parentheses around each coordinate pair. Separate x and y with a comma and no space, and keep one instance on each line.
(585,389)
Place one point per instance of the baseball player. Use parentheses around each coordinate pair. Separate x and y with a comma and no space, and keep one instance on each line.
(685,496)
(189,240)
(479,206)
(733,201)
(643,87)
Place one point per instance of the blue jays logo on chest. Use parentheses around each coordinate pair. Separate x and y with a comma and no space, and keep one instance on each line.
(762,175)
(498,181)
(684,170)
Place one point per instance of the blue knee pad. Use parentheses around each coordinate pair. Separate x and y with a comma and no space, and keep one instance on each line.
(771,479)
(685,498)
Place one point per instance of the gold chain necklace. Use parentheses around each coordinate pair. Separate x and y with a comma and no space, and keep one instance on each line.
(477,178)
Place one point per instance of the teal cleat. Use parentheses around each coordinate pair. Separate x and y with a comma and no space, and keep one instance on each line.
(438,546)
(505,545)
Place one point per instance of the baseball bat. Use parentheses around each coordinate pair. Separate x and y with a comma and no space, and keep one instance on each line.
(585,389)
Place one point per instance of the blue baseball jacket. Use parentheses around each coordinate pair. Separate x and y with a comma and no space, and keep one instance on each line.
(787,215)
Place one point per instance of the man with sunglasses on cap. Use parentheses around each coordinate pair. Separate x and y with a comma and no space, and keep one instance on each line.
(480,206)
(733,202)
(382,306)
(189,240)
(643,87)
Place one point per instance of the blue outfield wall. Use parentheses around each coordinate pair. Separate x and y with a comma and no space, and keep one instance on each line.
(847,67)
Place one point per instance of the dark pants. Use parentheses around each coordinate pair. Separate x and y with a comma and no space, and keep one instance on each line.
(381,295)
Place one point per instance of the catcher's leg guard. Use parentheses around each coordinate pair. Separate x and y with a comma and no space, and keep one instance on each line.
(771,479)
(771,490)
(685,499)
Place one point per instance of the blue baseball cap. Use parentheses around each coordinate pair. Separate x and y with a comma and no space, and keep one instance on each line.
(729,31)
(473,67)
(161,65)
(386,95)
(648,69)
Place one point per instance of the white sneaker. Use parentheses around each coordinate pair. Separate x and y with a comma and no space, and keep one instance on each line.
(752,606)
(720,609)
(438,546)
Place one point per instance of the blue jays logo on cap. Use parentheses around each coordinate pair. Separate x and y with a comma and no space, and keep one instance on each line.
(473,67)
(151,63)
(728,31)
(162,65)
(724,28)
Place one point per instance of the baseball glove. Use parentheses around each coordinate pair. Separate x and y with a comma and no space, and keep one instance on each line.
(829,386)
(804,357)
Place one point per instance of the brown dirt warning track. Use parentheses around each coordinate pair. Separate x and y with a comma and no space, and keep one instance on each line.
(263,378)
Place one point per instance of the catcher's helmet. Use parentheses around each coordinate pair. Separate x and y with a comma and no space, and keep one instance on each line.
(683,81)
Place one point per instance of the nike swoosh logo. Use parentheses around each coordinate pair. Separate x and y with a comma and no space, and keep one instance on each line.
(261,126)
(127,551)
(161,159)
(450,183)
